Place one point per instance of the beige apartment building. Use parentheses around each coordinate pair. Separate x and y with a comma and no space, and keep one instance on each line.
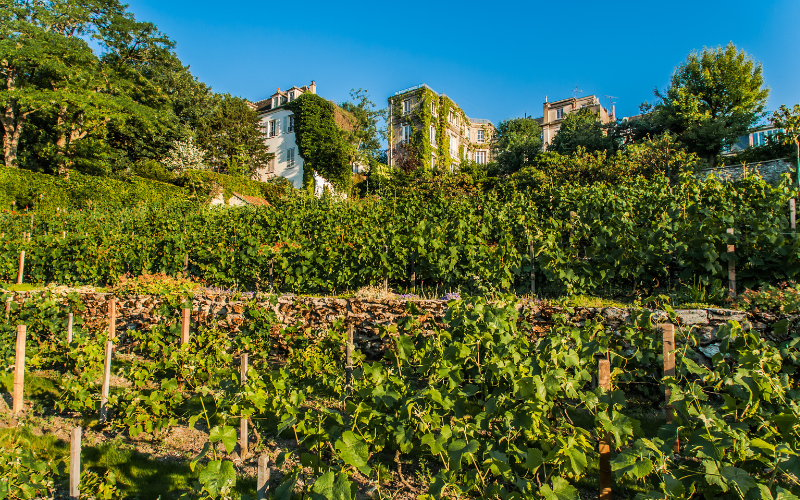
(436,130)
(553,114)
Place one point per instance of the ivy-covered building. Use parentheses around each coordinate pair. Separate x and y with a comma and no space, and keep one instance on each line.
(429,130)
(278,123)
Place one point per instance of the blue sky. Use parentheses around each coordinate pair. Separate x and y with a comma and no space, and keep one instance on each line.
(496,60)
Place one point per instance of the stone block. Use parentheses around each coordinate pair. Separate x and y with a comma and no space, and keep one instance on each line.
(725,315)
(688,317)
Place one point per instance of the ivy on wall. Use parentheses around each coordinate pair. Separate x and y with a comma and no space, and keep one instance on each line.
(421,118)
(323,140)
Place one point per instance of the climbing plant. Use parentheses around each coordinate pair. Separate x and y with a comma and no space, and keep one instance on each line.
(323,139)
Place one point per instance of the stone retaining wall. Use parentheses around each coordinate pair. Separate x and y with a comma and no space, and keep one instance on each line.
(319,313)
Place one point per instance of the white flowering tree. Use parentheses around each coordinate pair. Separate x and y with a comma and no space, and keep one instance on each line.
(184,156)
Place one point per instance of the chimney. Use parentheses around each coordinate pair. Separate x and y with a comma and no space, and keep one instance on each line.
(313,87)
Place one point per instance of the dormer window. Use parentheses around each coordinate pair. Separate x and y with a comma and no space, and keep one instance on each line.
(274,102)
(283,99)
(291,95)
(559,113)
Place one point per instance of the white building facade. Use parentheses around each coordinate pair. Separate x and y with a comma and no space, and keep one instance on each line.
(277,122)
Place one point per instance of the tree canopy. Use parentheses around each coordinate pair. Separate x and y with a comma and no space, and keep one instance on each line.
(581,129)
(714,97)
(516,143)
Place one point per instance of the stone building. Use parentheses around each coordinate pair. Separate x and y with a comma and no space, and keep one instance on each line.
(553,114)
(434,129)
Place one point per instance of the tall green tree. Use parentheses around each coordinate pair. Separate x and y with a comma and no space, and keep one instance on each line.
(233,137)
(517,142)
(367,133)
(582,129)
(47,68)
(789,121)
(714,97)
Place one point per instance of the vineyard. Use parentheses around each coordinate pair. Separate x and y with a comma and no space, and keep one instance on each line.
(638,235)
(477,407)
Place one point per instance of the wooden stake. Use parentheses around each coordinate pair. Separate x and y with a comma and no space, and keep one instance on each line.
(69,328)
(19,369)
(262,480)
(75,463)
(243,445)
(731,268)
(186,263)
(349,356)
(668,332)
(792,215)
(604,378)
(533,276)
(21,267)
(386,273)
(112,317)
(8,309)
(186,325)
(106,382)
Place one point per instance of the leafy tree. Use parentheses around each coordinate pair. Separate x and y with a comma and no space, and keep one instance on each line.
(233,137)
(406,157)
(49,69)
(713,98)
(517,143)
(581,130)
(662,155)
(789,121)
(367,133)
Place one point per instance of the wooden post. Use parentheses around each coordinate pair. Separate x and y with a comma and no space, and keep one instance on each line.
(186,325)
(349,356)
(792,215)
(572,216)
(262,479)
(69,328)
(731,268)
(8,309)
(243,445)
(75,463)
(63,235)
(604,379)
(271,277)
(533,276)
(668,332)
(21,267)
(19,369)
(386,273)
(106,382)
(186,263)
(112,317)
(414,271)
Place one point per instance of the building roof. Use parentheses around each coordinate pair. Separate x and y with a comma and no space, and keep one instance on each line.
(252,200)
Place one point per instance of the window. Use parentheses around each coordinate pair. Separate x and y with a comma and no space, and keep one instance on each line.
(290,157)
(433,135)
(271,166)
(433,108)
(453,145)
(480,157)
(559,113)
(291,95)
(481,137)
(406,133)
(451,118)
(283,99)
(290,127)
(466,134)
(433,162)
(274,102)
(273,128)
(407,106)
